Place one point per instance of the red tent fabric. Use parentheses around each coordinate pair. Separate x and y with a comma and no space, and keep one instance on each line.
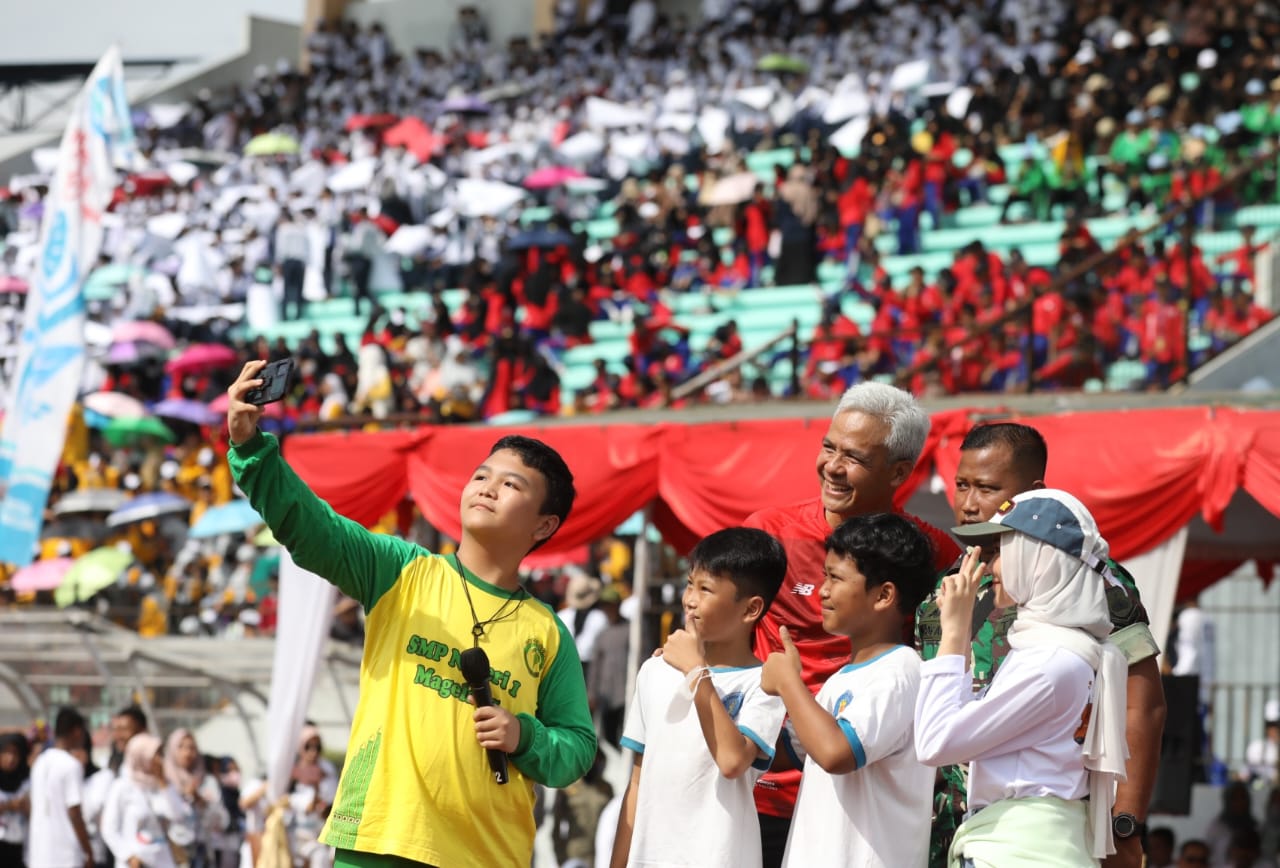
(1143,473)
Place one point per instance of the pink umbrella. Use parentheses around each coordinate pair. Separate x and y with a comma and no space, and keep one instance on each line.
(115,405)
(552,176)
(42,575)
(221,404)
(142,331)
(11,283)
(202,357)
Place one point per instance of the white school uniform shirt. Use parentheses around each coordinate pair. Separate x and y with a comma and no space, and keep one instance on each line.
(56,781)
(13,824)
(1019,738)
(687,813)
(878,815)
(134,823)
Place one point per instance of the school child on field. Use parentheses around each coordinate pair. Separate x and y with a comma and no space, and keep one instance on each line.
(1045,744)
(864,798)
(701,728)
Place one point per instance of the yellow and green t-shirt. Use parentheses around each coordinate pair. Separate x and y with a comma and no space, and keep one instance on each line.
(416,783)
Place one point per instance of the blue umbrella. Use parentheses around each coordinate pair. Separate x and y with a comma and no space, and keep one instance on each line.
(186,410)
(234,517)
(539,238)
(148,506)
(466,105)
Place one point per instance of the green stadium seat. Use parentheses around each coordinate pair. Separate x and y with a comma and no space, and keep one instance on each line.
(1125,375)
(976,216)
(1259,216)
(530,216)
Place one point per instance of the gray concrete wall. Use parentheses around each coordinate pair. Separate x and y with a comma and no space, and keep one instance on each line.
(415,23)
(263,41)
(1253,363)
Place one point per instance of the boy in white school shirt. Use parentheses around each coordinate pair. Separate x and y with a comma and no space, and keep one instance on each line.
(702,729)
(865,799)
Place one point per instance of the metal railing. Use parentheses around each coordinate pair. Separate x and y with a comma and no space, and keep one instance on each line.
(1235,720)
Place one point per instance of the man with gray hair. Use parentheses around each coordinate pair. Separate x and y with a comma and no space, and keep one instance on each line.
(876,436)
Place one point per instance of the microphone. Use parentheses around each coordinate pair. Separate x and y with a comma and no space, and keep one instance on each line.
(475,671)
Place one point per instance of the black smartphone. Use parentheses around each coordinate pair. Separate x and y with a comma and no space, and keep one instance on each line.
(275,382)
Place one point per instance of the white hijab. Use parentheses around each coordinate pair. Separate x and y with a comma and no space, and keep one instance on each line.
(1062,602)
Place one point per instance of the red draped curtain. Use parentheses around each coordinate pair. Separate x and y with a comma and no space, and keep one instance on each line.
(1143,473)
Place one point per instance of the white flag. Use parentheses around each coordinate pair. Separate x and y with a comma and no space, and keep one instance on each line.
(51,350)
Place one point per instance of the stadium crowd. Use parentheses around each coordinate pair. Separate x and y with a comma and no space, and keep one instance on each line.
(653,118)
(381,169)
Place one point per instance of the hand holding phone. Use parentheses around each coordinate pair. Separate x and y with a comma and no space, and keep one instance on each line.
(275,383)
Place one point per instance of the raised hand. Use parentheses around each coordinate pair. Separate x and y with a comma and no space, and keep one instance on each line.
(781,665)
(685,649)
(242,417)
(955,602)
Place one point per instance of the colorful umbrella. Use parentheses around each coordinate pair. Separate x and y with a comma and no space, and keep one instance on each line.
(465,105)
(414,136)
(782,63)
(142,331)
(202,357)
(115,405)
(361,122)
(105,281)
(270,144)
(90,500)
(91,573)
(129,432)
(124,355)
(41,576)
(540,238)
(234,517)
(185,410)
(148,506)
(731,189)
(552,176)
(265,538)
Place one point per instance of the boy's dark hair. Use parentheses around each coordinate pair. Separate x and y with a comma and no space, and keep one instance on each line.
(888,548)
(135,713)
(754,561)
(1025,444)
(1164,833)
(68,722)
(547,461)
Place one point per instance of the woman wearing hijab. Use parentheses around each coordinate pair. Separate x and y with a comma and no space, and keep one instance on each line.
(15,802)
(1045,744)
(140,808)
(313,783)
(185,772)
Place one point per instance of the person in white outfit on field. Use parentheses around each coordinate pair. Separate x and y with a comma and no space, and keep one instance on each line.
(140,808)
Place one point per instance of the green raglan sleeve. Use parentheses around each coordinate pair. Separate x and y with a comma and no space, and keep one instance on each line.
(558,746)
(361,564)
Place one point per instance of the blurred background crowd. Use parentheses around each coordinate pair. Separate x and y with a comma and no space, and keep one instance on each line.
(960,197)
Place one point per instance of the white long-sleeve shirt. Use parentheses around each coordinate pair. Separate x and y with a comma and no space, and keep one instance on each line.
(1019,739)
(131,824)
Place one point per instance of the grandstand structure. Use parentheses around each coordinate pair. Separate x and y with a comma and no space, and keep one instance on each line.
(761,313)
(213,687)
(218,686)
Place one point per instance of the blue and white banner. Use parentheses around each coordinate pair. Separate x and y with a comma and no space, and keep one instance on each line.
(51,352)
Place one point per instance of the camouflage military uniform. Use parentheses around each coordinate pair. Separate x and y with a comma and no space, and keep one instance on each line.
(990,647)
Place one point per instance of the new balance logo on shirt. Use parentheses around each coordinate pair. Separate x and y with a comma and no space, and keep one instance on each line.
(803,590)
